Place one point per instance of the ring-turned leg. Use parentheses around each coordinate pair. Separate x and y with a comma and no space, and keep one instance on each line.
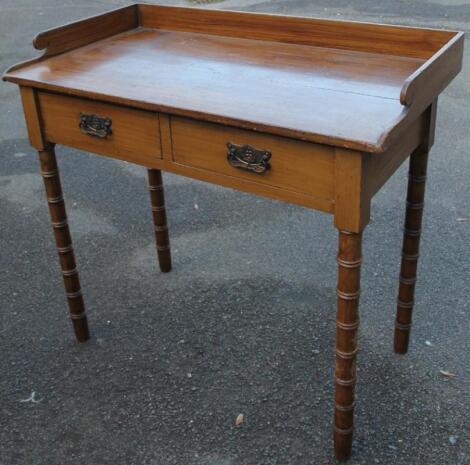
(410,253)
(347,323)
(50,175)
(157,198)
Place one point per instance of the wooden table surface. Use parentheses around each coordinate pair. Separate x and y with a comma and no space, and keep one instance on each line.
(314,112)
(316,92)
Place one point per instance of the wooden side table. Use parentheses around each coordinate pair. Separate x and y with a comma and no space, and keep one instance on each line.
(314,112)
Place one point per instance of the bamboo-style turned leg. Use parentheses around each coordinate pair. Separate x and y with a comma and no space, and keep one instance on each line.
(411,237)
(50,174)
(347,323)
(157,198)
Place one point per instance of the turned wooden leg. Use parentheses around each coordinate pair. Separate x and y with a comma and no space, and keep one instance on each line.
(157,198)
(347,323)
(411,237)
(50,175)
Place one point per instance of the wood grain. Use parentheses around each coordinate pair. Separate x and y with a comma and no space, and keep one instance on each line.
(165,136)
(410,252)
(204,146)
(246,185)
(32,117)
(431,78)
(412,231)
(347,324)
(327,79)
(135,133)
(79,33)
(380,169)
(55,201)
(338,104)
(157,198)
(311,95)
(348,35)
(352,195)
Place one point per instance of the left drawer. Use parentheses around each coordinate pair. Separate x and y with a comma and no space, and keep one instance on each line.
(113,130)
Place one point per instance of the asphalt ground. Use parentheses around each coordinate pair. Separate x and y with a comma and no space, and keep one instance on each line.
(244,324)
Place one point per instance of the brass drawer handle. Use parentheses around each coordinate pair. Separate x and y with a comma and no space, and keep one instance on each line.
(95,125)
(248,158)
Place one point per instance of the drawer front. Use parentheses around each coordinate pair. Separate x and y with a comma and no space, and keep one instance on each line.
(117,131)
(273,161)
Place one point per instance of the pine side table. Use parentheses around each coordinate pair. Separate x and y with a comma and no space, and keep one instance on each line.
(314,112)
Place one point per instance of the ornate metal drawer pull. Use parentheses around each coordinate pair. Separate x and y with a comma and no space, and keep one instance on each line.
(95,125)
(248,158)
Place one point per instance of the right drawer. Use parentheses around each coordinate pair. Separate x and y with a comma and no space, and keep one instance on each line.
(295,166)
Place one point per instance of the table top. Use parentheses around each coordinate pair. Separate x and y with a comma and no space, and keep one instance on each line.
(317,90)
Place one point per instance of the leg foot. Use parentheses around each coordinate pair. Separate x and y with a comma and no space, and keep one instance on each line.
(411,238)
(50,175)
(157,198)
(347,324)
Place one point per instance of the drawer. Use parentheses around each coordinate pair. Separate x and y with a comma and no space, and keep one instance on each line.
(120,132)
(295,166)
